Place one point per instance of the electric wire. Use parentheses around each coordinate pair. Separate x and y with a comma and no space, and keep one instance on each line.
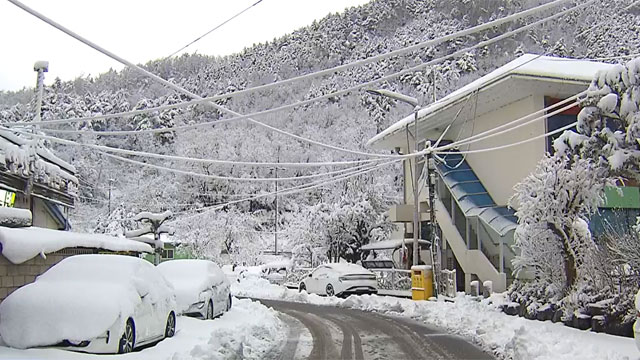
(483,43)
(180,89)
(475,151)
(190,159)
(230,178)
(302,77)
(286,191)
(483,136)
(215,28)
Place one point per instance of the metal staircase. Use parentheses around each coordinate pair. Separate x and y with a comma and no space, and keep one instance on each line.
(478,231)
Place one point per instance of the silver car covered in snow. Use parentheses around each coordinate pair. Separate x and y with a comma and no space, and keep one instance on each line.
(201,288)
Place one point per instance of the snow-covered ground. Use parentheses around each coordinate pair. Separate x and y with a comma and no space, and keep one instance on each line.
(482,321)
(248,331)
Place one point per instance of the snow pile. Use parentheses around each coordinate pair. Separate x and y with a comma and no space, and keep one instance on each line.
(482,321)
(15,217)
(79,299)
(250,334)
(22,244)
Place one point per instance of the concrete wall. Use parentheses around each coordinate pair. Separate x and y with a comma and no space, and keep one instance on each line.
(14,276)
(500,170)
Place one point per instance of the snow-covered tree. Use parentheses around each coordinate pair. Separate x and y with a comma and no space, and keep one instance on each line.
(554,204)
(609,122)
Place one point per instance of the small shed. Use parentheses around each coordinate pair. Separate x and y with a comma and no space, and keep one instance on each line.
(28,252)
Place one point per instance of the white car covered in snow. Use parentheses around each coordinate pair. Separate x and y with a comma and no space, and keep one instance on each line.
(201,288)
(340,279)
(91,303)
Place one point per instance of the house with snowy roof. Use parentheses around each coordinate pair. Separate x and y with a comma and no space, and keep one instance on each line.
(473,188)
(33,178)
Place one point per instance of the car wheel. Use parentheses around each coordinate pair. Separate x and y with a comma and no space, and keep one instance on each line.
(330,290)
(128,339)
(170,329)
(302,287)
(209,311)
(229,303)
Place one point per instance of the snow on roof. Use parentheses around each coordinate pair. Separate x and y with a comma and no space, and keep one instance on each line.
(391,244)
(15,217)
(527,65)
(26,157)
(22,244)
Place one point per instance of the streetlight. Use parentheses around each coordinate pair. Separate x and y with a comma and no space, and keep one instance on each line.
(416,215)
(40,67)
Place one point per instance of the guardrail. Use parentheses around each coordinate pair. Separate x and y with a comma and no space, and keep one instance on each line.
(393,279)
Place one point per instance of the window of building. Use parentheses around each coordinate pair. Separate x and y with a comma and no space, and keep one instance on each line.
(167,254)
(558,121)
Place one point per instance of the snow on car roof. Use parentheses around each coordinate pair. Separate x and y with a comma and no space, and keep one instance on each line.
(94,268)
(347,268)
(22,244)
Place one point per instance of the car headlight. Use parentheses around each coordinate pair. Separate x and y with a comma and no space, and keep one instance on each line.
(199,304)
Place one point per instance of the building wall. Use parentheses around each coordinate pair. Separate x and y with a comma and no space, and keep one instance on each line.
(13,276)
(501,170)
(40,216)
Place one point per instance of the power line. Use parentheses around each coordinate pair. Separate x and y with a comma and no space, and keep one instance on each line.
(398,52)
(215,28)
(178,88)
(499,130)
(515,143)
(481,44)
(188,159)
(291,190)
(231,178)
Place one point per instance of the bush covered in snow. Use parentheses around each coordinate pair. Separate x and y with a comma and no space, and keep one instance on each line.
(583,278)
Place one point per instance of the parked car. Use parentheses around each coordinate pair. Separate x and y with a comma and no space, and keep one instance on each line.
(276,272)
(91,303)
(340,279)
(636,324)
(201,288)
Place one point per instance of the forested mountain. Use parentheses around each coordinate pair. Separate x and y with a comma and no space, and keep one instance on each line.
(346,212)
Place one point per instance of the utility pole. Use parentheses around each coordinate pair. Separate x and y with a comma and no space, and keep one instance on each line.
(435,245)
(416,203)
(275,245)
(110,182)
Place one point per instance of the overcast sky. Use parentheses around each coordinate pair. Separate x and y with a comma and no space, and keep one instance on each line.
(139,31)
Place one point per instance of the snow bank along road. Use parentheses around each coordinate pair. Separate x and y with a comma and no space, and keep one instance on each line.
(340,333)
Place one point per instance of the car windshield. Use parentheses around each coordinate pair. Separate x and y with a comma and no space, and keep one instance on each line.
(185,269)
(94,268)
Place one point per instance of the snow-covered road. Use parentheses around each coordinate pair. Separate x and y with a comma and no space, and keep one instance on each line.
(248,331)
(479,321)
(342,333)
